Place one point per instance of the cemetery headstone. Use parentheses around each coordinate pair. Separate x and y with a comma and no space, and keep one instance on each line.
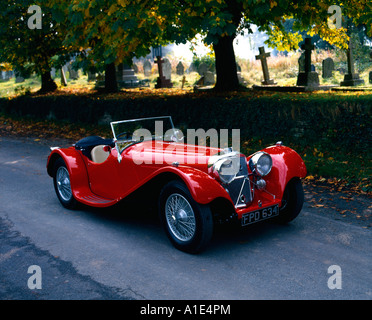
(308,78)
(18,77)
(91,76)
(351,78)
(180,69)
(327,68)
(209,78)
(126,77)
(202,68)
(73,74)
(5,76)
(53,73)
(167,69)
(147,68)
(262,56)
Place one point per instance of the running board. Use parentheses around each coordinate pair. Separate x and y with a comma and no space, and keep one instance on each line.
(87,197)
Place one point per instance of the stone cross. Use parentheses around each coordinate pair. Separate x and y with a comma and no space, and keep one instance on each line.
(308,78)
(351,78)
(159,61)
(308,47)
(162,82)
(262,56)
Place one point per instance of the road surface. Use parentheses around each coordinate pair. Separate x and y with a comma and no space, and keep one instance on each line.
(124,253)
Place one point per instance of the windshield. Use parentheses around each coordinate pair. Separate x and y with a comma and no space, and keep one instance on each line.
(128,132)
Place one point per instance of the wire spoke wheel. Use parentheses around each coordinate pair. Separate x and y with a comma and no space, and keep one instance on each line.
(63,183)
(180,217)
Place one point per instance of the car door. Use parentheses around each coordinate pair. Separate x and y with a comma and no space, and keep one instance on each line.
(111,179)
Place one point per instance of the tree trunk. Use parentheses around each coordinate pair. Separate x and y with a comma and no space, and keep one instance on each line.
(227,78)
(111,84)
(47,83)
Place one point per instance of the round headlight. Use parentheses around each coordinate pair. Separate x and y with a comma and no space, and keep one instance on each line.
(227,169)
(261,163)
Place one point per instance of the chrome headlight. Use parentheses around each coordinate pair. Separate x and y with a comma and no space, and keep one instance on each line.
(261,163)
(225,167)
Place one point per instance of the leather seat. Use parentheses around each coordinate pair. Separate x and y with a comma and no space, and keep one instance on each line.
(99,155)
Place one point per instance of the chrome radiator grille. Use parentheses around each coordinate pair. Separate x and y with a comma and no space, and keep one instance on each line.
(240,189)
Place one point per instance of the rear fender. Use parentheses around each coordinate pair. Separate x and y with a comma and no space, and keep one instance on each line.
(75,166)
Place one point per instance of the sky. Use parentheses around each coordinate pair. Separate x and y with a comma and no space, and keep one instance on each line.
(245,47)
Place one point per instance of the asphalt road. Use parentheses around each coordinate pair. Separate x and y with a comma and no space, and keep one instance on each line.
(124,253)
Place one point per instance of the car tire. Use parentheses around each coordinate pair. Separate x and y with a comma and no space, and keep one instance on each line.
(188,224)
(62,186)
(292,202)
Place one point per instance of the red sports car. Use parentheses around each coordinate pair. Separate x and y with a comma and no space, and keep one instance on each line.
(195,186)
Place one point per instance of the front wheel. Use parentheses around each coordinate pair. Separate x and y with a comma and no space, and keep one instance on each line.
(62,185)
(292,202)
(188,224)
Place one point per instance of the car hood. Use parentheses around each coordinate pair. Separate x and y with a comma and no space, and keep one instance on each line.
(162,153)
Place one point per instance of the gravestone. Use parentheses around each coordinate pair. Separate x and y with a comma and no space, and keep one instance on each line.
(6,76)
(18,77)
(262,56)
(202,68)
(147,68)
(327,68)
(307,78)
(73,74)
(209,78)
(162,81)
(53,73)
(180,69)
(125,76)
(91,76)
(351,78)
(167,69)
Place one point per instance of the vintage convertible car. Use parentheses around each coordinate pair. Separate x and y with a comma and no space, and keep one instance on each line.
(194,186)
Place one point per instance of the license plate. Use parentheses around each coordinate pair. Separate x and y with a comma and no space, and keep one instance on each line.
(259,215)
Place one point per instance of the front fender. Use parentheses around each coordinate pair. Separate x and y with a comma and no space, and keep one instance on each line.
(203,188)
(287,164)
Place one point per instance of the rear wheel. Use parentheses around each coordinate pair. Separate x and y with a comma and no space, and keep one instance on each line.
(188,224)
(292,201)
(62,185)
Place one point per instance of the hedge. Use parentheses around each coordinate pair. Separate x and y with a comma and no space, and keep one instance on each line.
(336,121)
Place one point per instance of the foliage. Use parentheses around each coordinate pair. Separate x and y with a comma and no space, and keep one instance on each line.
(26,48)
